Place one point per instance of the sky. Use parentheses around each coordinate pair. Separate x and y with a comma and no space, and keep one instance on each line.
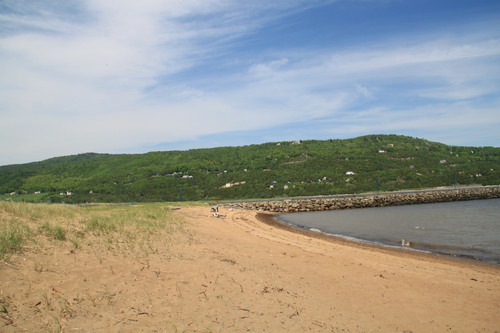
(128,76)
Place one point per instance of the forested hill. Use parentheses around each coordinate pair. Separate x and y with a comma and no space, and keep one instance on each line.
(279,169)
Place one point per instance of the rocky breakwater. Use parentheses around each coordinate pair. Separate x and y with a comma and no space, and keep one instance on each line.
(376,200)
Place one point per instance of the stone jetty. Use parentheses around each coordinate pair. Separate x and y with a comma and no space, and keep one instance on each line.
(370,200)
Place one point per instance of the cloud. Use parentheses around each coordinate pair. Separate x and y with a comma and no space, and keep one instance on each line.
(458,92)
(427,53)
(113,76)
(363,90)
(85,85)
(268,68)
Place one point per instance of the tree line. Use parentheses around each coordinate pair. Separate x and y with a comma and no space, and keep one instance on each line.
(278,169)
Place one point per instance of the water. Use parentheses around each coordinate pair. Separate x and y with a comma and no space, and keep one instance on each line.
(467,229)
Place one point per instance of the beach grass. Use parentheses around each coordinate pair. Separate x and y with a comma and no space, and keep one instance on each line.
(125,226)
(13,236)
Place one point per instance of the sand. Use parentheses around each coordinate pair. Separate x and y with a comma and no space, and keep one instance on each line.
(238,274)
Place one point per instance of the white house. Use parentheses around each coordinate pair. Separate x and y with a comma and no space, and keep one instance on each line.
(233,184)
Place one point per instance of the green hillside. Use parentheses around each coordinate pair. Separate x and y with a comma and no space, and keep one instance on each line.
(280,169)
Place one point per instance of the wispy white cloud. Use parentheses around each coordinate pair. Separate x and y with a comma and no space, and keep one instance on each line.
(437,51)
(459,92)
(268,68)
(110,75)
(363,90)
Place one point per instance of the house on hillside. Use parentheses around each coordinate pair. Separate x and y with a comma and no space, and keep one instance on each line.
(228,185)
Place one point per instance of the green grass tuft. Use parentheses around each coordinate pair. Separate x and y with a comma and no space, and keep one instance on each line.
(13,236)
(55,232)
(101,225)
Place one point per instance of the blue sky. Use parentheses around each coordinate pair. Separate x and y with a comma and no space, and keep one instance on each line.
(136,76)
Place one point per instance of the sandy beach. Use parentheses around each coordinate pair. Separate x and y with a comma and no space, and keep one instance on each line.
(240,274)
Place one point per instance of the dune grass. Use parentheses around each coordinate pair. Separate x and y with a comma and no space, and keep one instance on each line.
(117,226)
(13,236)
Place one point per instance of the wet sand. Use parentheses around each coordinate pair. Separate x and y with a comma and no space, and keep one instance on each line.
(239,274)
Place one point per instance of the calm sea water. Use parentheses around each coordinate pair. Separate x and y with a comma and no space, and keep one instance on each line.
(468,229)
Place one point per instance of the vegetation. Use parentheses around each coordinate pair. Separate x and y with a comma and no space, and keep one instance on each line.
(119,227)
(280,169)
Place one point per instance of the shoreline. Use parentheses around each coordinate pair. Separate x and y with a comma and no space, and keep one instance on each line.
(269,218)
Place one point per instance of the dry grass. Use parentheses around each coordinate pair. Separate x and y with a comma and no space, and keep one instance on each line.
(56,258)
(129,228)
